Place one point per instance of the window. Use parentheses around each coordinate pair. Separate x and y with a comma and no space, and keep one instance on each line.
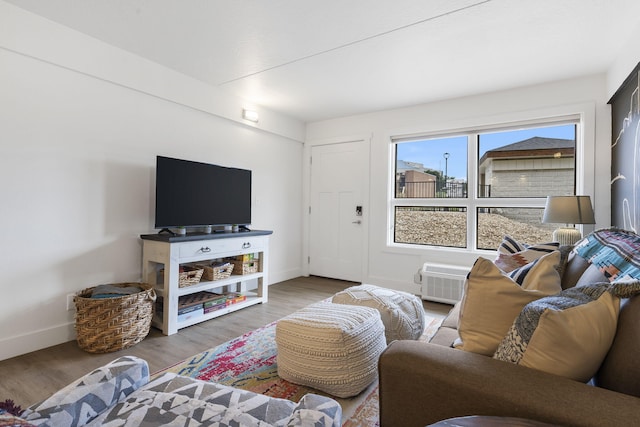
(469,190)
(429,225)
(431,168)
(536,162)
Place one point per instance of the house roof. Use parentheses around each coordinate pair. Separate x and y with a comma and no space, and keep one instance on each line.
(536,146)
(537,143)
(403,165)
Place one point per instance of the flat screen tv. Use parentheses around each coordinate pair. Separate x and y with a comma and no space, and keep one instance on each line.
(192,194)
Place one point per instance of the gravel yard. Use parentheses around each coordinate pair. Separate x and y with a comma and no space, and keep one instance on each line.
(449,229)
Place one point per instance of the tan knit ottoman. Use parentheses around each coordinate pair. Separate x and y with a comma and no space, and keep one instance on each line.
(402,313)
(330,347)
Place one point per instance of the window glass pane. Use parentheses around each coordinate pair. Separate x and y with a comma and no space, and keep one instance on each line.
(523,224)
(428,225)
(431,168)
(534,162)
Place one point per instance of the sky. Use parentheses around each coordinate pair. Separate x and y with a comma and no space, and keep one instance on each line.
(431,152)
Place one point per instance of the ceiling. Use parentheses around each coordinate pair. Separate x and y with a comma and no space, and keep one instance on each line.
(315,60)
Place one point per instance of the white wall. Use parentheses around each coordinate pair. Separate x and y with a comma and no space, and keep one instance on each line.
(393,267)
(628,58)
(80,126)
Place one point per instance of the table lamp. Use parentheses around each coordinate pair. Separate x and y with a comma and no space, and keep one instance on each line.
(568,210)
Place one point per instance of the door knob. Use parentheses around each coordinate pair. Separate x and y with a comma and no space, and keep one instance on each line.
(356,222)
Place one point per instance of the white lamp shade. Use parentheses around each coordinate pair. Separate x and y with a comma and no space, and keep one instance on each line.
(568,210)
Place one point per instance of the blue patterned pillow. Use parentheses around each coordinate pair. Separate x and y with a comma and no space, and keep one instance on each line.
(616,253)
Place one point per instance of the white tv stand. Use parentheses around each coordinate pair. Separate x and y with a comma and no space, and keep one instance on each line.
(161,251)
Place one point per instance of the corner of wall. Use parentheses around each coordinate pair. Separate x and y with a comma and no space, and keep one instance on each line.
(628,59)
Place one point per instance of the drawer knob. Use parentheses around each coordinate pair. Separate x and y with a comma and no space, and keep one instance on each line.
(246,245)
(205,249)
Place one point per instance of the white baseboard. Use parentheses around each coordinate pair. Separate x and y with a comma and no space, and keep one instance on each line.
(281,276)
(37,340)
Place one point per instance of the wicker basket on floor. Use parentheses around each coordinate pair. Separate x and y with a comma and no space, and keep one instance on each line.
(104,325)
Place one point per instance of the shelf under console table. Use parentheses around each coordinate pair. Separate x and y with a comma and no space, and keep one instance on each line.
(162,258)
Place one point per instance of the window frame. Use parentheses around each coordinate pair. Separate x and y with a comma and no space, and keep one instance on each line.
(472,202)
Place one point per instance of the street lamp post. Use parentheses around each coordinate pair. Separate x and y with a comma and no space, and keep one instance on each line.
(446,167)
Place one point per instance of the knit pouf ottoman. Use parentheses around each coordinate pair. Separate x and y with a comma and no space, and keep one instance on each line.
(330,347)
(402,313)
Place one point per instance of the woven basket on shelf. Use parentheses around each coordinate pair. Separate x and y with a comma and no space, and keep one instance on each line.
(246,267)
(104,325)
(190,276)
(216,273)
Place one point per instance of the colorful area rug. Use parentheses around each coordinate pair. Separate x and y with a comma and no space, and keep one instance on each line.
(249,363)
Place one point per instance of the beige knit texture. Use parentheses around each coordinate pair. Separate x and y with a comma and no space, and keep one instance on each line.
(331,347)
(401,312)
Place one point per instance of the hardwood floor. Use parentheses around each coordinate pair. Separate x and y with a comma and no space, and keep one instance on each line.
(29,378)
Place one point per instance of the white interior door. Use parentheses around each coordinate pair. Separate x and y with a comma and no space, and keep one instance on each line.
(336,210)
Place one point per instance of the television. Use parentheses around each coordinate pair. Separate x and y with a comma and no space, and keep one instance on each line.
(195,194)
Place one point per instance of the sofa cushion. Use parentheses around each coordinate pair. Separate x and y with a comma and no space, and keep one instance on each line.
(567,334)
(576,266)
(451,321)
(513,254)
(492,300)
(445,336)
(620,370)
(591,275)
(447,333)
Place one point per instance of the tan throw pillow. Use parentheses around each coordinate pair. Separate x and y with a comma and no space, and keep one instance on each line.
(492,300)
(568,334)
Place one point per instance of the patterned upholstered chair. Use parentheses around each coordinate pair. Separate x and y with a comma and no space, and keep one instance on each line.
(121,393)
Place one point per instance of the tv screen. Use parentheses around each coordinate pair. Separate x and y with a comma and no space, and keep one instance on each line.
(194,194)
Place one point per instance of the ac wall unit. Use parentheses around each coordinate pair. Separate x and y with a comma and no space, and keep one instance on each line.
(441,283)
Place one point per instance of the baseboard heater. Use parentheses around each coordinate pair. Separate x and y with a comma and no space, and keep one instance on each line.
(441,283)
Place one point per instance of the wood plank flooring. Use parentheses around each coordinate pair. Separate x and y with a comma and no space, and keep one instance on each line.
(29,378)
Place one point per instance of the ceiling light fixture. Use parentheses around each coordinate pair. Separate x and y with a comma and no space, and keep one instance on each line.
(250,115)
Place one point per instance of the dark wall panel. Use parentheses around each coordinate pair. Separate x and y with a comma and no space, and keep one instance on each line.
(625,154)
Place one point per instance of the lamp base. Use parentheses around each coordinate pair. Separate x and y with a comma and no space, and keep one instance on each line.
(567,235)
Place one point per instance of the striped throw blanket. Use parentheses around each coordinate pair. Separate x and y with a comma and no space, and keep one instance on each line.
(615,252)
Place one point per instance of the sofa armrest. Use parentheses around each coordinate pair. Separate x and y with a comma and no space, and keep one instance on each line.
(316,410)
(84,399)
(422,383)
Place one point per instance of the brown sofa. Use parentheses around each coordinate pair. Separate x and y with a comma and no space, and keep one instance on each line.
(422,383)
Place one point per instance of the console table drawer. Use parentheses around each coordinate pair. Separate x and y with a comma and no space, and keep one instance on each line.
(219,246)
(203,247)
